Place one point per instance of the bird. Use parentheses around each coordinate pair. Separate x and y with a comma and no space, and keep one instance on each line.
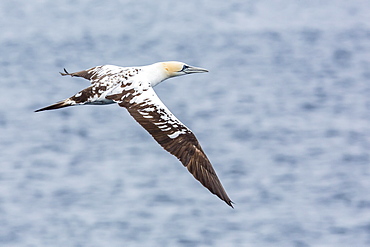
(132,88)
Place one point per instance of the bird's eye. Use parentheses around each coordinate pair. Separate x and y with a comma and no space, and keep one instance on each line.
(185,67)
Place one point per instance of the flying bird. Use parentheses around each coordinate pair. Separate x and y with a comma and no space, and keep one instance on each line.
(132,88)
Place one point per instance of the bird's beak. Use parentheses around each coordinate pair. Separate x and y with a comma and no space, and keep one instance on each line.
(191,70)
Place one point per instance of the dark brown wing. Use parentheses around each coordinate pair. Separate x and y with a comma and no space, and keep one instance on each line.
(149,111)
(88,74)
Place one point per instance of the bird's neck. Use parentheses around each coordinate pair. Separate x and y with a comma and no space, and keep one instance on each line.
(155,74)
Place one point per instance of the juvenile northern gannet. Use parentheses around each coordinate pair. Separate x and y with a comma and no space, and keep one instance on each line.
(132,88)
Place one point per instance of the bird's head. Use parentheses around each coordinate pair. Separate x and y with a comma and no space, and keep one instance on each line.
(174,68)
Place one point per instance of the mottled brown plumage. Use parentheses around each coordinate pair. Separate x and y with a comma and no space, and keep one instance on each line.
(185,146)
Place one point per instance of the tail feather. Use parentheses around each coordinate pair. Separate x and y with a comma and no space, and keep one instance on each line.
(57,105)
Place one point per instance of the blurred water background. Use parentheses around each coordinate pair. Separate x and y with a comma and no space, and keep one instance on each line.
(284,116)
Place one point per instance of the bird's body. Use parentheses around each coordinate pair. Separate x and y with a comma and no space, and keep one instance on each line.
(132,88)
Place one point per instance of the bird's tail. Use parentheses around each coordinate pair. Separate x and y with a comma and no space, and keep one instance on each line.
(60,104)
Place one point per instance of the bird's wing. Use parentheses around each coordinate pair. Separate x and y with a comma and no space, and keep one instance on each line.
(149,111)
(104,79)
(100,74)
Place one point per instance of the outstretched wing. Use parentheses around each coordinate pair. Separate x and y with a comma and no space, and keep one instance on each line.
(103,80)
(100,74)
(149,111)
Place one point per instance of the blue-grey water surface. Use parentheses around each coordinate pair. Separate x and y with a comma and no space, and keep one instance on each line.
(283,114)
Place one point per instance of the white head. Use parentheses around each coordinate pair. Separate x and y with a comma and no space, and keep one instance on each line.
(161,71)
(174,68)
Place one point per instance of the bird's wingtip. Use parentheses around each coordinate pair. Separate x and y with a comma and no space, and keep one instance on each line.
(65,72)
(230,203)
